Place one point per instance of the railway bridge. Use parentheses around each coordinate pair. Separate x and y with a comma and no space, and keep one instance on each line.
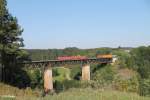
(47,66)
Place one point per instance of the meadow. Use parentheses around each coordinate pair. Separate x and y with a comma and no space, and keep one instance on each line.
(8,92)
(83,94)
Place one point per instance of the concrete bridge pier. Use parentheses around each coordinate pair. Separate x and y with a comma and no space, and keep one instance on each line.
(48,79)
(86,72)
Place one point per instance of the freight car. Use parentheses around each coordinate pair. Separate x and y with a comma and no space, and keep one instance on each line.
(62,58)
(105,56)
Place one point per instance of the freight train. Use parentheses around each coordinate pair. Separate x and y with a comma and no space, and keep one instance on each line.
(63,58)
(72,58)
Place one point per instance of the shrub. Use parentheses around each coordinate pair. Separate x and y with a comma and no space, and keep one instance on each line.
(67,84)
(61,74)
(128,85)
(58,86)
(145,87)
(103,76)
(76,73)
(140,61)
(35,78)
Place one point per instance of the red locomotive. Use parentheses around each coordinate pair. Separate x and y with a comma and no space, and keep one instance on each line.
(62,58)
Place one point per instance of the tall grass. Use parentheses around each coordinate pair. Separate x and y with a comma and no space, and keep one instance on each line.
(8,92)
(90,94)
(71,94)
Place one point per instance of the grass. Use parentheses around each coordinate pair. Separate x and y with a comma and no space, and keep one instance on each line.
(72,94)
(8,92)
(90,94)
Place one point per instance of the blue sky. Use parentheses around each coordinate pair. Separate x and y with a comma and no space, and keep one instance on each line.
(83,23)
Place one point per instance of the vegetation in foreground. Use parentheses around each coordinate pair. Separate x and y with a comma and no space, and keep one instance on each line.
(71,94)
(90,94)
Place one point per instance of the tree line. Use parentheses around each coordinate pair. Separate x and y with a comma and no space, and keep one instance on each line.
(48,54)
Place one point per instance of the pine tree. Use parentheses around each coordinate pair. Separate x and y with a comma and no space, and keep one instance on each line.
(10,42)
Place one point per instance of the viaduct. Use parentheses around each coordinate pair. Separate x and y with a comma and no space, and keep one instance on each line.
(48,64)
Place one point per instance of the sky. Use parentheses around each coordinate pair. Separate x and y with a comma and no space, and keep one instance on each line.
(82,23)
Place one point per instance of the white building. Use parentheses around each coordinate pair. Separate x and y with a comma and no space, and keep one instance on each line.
(115,58)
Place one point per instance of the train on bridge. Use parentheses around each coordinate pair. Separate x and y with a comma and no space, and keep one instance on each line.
(64,58)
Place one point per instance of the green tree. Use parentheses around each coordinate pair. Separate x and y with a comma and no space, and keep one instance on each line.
(103,51)
(10,42)
(140,61)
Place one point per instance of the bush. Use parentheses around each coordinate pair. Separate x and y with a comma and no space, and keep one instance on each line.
(140,61)
(127,85)
(145,87)
(58,86)
(61,74)
(20,78)
(103,76)
(76,73)
(67,84)
(36,79)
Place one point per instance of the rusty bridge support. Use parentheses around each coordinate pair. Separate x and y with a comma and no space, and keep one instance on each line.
(48,79)
(86,72)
